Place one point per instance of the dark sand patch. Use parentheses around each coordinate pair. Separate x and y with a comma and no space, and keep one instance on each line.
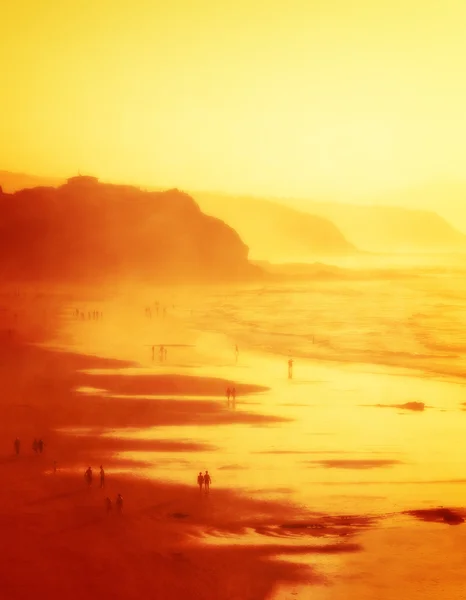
(364,463)
(414,406)
(438,515)
(167,384)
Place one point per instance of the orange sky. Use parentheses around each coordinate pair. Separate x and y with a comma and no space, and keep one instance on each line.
(299,98)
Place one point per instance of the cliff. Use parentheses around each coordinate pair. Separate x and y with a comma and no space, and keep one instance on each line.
(276,232)
(90,231)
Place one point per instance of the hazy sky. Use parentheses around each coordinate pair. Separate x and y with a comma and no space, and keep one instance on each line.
(295,98)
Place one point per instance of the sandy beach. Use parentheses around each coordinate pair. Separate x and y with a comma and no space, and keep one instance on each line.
(283,520)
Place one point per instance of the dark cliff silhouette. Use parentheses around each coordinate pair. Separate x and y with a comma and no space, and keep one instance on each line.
(86,230)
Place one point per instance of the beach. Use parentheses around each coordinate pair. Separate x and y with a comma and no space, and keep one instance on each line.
(315,479)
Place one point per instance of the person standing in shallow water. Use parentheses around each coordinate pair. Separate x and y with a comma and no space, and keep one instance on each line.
(17,445)
(207,482)
(233,396)
(228,393)
(40,444)
(102,477)
(290,368)
(200,481)
(119,503)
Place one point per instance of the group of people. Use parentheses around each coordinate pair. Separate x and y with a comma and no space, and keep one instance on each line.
(37,446)
(231,394)
(204,480)
(94,315)
(118,504)
(88,476)
(157,310)
(162,353)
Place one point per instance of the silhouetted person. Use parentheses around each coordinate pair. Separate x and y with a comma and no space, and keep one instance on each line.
(153,352)
(88,476)
(290,369)
(40,444)
(108,505)
(161,353)
(165,353)
(207,481)
(233,395)
(17,445)
(236,353)
(119,503)
(200,481)
(102,476)
(228,393)
(35,446)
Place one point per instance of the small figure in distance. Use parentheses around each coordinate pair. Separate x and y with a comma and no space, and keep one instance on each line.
(153,353)
(35,446)
(233,396)
(102,477)
(17,445)
(200,480)
(165,352)
(236,353)
(290,368)
(228,393)
(108,505)
(88,476)
(119,503)
(207,482)
(41,445)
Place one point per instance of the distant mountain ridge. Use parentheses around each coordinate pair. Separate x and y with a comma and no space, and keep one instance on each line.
(91,231)
(277,232)
(391,228)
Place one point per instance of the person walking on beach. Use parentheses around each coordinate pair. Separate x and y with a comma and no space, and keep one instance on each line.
(200,480)
(88,476)
(102,477)
(290,368)
(233,396)
(161,352)
(119,503)
(153,353)
(228,393)
(108,505)
(207,482)
(17,445)
(40,444)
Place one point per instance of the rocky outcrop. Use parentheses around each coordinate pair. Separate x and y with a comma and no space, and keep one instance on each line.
(86,231)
